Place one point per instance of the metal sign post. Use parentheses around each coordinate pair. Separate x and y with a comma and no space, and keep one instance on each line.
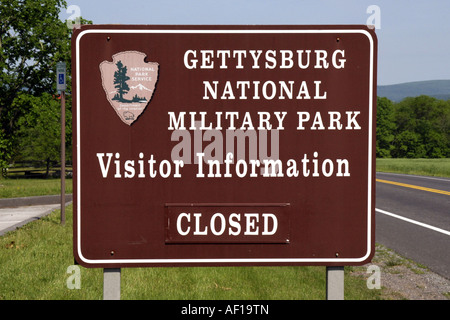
(111,284)
(61,86)
(335,283)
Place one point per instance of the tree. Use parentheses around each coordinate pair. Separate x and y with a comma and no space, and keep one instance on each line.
(385,127)
(422,128)
(39,131)
(416,127)
(120,81)
(32,40)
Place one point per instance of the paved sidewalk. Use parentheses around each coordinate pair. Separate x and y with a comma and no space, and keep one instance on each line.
(17,212)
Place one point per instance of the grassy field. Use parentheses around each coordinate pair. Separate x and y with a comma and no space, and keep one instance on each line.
(427,167)
(34,261)
(13,188)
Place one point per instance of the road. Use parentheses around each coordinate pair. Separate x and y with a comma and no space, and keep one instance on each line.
(413,218)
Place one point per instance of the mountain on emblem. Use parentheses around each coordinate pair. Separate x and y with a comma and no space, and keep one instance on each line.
(129,83)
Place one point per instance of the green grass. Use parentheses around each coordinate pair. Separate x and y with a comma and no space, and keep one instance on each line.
(427,167)
(34,261)
(13,188)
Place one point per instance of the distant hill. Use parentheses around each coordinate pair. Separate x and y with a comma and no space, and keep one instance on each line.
(439,89)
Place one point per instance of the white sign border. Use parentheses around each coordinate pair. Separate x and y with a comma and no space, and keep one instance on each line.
(333,260)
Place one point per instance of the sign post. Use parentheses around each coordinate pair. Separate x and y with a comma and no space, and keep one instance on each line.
(335,283)
(111,284)
(61,86)
(224,145)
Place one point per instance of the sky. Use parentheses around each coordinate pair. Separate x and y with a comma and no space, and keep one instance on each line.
(413,35)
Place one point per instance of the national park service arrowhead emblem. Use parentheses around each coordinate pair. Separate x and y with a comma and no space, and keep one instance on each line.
(129,83)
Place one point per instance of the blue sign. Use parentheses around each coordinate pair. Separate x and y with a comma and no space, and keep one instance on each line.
(60,76)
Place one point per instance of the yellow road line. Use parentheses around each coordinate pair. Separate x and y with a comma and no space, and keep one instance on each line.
(415,187)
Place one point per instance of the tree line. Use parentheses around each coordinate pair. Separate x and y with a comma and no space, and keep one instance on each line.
(416,127)
(33,40)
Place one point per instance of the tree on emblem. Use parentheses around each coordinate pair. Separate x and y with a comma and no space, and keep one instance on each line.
(120,82)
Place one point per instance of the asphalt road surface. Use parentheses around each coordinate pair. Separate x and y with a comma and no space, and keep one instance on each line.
(413,218)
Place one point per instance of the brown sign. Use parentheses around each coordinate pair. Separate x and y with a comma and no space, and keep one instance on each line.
(224,145)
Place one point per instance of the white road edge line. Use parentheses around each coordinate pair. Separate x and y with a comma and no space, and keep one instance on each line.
(413,221)
(413,176)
